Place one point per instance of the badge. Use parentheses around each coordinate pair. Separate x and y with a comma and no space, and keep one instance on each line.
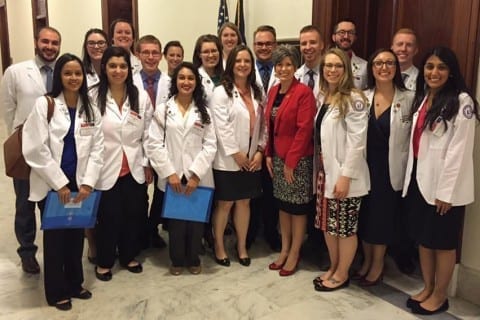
(468,111)
(358,105)
(87,129)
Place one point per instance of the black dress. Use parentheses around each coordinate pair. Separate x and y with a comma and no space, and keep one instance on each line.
(380,210)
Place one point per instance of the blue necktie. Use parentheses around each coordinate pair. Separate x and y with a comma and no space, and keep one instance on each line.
(265,73)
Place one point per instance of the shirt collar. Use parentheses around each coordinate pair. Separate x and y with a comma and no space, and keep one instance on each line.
(262,65)
(40,63)
(144,76)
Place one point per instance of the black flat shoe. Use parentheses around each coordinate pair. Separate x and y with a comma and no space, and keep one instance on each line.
(107,276)
(418,309)
(411,303)
(223,262)
(322,288)
(84,294)
(64,306)
(135,269)
(244,261)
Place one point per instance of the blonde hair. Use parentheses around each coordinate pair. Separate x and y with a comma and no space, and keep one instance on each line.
(341,98)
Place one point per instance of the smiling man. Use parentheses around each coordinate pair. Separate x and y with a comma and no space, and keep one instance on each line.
(404,45)
(22,84)
(344,35)
(311,47)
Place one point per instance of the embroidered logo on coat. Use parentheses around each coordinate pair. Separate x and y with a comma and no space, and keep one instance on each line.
(468,111)
(358,105)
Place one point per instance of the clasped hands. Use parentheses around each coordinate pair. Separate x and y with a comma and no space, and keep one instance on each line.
(248,165)
(177,186)
(64,194)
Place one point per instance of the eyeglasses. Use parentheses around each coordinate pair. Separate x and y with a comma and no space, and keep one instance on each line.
(330,66)
(378,64)
(100,43)
(208,52)
(147,53)
(267,44)
(346,32)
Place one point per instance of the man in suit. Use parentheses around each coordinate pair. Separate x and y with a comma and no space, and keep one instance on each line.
(311,47)
(22,84)
(405,47)
(156,84)
(263,209)
(344,35)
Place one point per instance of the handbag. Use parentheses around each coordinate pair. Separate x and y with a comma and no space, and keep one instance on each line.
(15,164)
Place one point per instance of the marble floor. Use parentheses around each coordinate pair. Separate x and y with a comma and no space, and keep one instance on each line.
(236,292)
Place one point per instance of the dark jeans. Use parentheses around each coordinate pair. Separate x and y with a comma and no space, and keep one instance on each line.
(25,223)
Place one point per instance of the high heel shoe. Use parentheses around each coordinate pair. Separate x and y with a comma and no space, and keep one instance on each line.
(223,262)
(367,283)
(274,266)
(322,288)
(286,273)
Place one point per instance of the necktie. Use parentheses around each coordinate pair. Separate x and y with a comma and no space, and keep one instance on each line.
(265,73)
(49,74)
(404,77)
(151,90)
(311,81)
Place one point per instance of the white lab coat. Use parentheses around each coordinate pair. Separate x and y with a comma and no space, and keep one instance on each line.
(208,85)
(400,126)
(445,158)
(271,82)
(92,78)
(359,70)
(43,147)
(190,145)
(163,87)
(301,75)
(344,141)
(21,85)
(232,125)
(411,81)
(125,131)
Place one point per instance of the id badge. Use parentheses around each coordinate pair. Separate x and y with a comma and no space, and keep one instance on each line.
(438,127)
(87,129)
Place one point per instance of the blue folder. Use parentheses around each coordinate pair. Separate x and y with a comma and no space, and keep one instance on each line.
(195,207)
(56,215)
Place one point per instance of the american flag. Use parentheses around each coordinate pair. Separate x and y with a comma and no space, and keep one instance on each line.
(222,14)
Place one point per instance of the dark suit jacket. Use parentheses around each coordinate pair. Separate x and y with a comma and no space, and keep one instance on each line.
(291,136)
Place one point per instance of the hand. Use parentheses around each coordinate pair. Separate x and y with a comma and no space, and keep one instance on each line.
(288,174)
(442,207)
(175,183)
(148,175)
(256,163)
(340,191)
(192,184)
(242,160)
(64,194)
(83,193)
(269,164)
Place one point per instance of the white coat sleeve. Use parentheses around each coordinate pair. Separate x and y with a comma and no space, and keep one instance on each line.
(8,98)
(95,160)
(224,128)
(156,149)
(35,146)
(202,163)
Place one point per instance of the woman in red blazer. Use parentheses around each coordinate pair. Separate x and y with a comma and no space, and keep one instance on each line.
(289,116)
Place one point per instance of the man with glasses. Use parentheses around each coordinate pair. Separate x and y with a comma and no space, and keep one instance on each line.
(22,84)
(263,208)
(404,45)
(156,84)
(344,35)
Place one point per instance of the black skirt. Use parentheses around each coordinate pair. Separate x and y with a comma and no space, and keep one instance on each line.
(237,185)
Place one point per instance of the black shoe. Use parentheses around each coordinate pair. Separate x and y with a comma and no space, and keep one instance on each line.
(156,241)
(84,294)
(223,262)
(411,303)
(64,306)
(321,287)
(30,265)
(244,261)
(134,269)
(107,276)
(418,309)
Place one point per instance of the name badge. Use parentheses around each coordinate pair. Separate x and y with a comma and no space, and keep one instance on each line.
(198,128)
(438,128)
(87,129)
(134,118)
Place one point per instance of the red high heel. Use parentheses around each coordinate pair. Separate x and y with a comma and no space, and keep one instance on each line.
(274,266)
(286,273)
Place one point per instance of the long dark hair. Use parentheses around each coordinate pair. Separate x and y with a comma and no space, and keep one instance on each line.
(132,91)
(397,79)
(57,85)
(198,93)
(197,61)
(445,103)
(87,62)
(228,78)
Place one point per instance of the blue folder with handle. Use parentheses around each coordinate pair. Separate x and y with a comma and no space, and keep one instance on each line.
(195,207)
(57,215)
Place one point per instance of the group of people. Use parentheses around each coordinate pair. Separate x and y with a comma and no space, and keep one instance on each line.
(330,145)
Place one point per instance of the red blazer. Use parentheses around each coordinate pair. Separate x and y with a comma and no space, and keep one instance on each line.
(292,133)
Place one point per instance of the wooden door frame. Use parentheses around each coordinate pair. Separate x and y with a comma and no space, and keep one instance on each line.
(5,51)
(106,19)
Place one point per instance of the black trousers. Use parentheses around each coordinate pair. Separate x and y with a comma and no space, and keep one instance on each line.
(119,221)
(25,223)
(62,260)
(185,242)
